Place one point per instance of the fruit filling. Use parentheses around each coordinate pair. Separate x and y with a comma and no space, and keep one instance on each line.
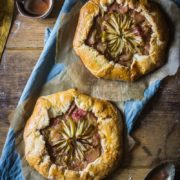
(119,33)
(72,139)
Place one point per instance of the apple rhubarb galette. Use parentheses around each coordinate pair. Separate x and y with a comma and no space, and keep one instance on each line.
(73,136)
(121,39)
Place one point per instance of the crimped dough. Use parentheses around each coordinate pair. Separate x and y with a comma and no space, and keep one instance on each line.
(98,65)
(109,128)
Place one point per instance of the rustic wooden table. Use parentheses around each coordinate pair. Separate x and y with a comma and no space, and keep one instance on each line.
(158,128)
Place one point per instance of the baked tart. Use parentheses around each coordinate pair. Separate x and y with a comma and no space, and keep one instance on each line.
(121,39)
(73,136)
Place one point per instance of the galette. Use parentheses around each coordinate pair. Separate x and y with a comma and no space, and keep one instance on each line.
(73,136)
(121,39)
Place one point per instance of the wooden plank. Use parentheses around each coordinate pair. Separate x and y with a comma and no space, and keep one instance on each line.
(130,174)
(15,69)
(28,32)
(158,127)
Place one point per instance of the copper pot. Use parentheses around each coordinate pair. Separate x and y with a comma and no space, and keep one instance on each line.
(35,8)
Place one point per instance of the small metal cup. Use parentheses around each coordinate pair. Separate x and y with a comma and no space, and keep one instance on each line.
(24,12)
(167,167)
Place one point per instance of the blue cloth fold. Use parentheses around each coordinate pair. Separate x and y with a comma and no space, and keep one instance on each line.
(132,108)
(45,70)
(10,163)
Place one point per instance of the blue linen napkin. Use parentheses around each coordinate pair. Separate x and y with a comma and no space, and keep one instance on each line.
(44,71)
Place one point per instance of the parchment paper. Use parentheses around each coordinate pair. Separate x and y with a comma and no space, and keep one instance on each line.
(76,75)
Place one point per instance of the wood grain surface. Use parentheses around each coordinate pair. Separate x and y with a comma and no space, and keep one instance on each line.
(157,130)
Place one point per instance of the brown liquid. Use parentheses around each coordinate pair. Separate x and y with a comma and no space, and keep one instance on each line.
(37,7)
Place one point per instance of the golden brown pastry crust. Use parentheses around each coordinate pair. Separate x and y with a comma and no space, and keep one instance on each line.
(98,65)
(109,128)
